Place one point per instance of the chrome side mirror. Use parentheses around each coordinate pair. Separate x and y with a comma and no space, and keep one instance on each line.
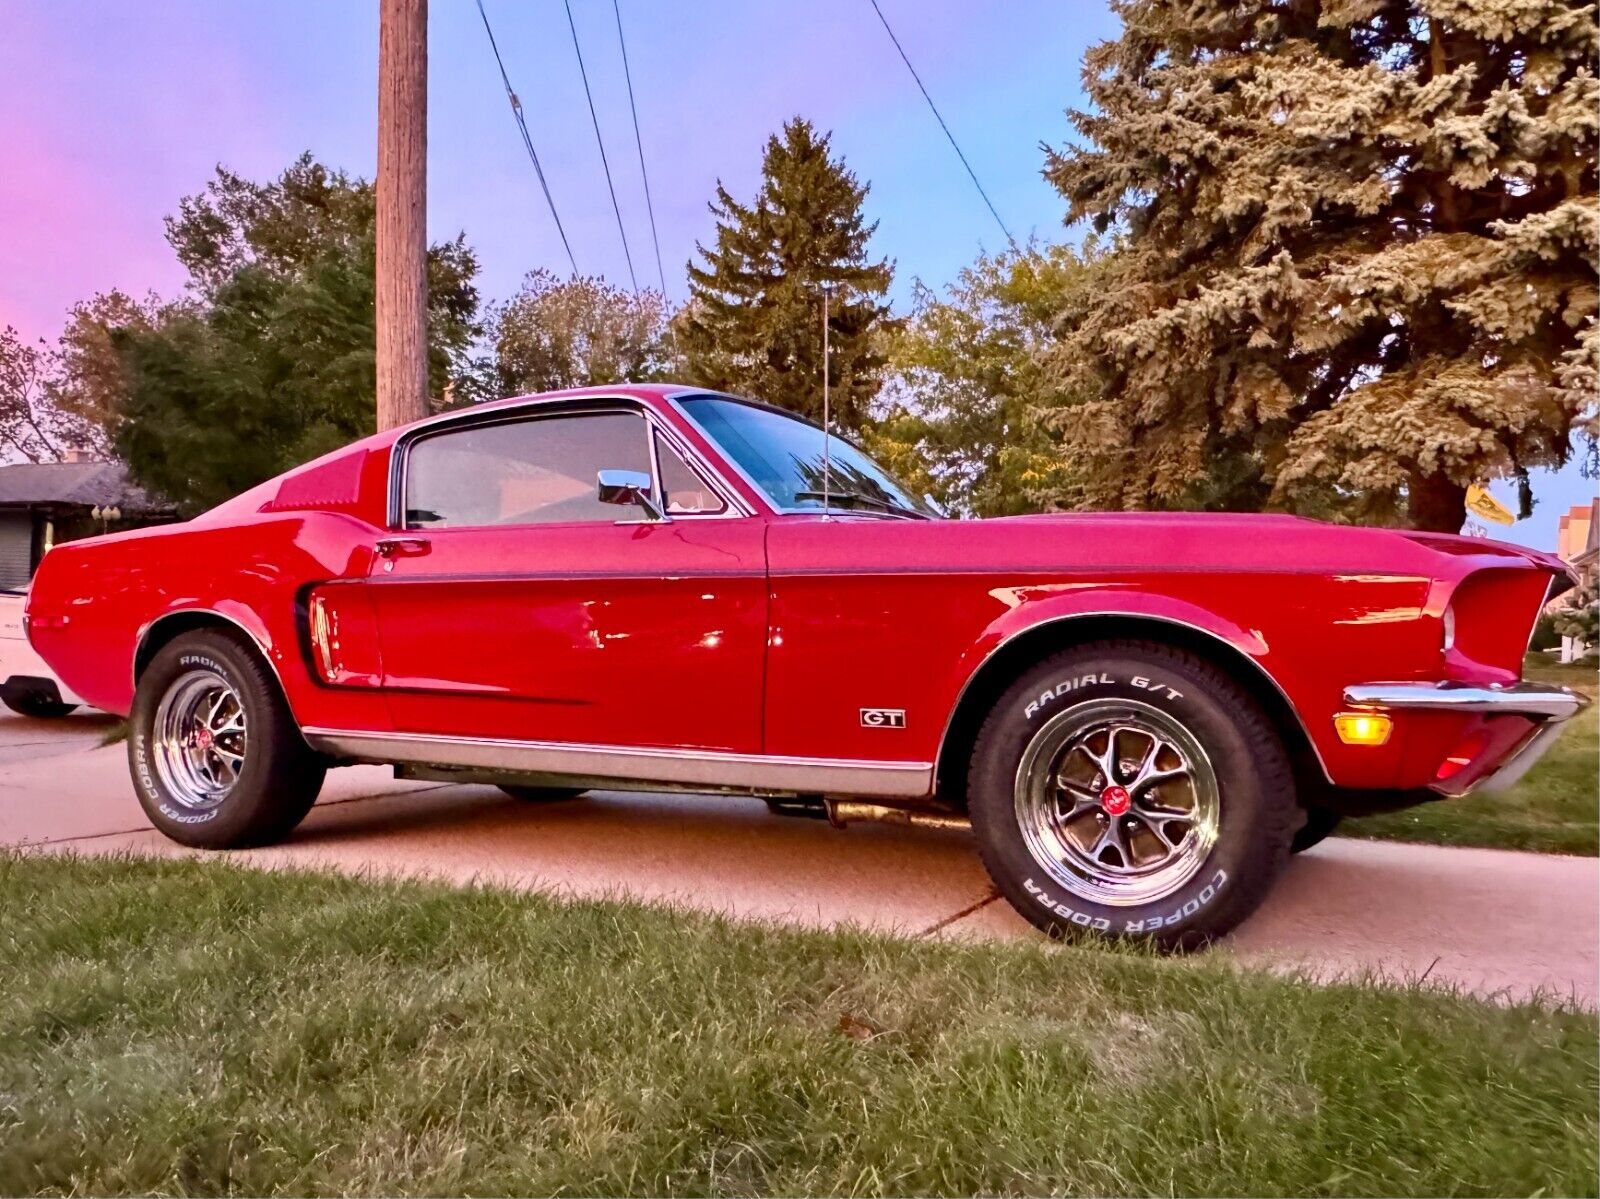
(629,487)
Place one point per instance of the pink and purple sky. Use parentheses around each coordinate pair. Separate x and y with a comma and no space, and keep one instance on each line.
(112,111)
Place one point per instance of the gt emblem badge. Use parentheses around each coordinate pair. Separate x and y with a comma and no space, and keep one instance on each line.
(883,718)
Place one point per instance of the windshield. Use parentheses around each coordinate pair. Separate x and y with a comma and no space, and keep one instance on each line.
(782,455)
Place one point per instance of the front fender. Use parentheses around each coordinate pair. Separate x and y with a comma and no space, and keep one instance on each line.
(1036,609)
(1033,607)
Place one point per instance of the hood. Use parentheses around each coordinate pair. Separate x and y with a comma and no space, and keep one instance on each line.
(1245,541)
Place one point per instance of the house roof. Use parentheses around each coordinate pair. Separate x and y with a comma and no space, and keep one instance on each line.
(76,484)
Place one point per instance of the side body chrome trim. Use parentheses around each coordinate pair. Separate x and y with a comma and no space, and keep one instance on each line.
(1523,699)
(1260,670)
(679,767)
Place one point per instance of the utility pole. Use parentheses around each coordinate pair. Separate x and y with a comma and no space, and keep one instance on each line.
(402,234)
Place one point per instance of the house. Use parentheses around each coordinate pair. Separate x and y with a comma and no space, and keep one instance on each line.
(42,503)
(1578,544)
(1578,539)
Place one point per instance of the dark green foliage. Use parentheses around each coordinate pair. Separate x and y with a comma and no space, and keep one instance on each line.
(967,375)
(268,361)
(1359,264)
(1544,633)
(753,325)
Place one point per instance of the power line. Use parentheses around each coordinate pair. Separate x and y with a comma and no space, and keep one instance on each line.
(970,172)
(639,142)
(527,141)
(599,141)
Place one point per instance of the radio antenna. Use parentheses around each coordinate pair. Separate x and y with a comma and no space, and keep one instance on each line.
(827,414)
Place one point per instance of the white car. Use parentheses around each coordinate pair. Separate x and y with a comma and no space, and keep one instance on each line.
(27,686)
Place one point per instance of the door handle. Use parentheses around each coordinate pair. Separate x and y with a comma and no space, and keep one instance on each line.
(403,547)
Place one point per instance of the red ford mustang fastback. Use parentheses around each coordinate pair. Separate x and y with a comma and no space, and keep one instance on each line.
(1140,715)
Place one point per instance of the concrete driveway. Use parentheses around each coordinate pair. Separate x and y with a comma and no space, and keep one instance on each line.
(1499,923)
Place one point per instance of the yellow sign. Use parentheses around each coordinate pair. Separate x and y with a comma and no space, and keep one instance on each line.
(1481,503)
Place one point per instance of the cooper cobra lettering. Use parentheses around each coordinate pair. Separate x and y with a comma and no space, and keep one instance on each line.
(1081,919)
(1188,908)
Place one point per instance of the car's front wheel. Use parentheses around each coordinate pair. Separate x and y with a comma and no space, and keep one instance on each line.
(1132,790)
(216,757)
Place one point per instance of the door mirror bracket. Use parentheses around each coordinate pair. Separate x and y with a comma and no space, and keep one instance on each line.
(630,487)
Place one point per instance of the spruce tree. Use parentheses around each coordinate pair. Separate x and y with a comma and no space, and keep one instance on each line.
(1360,252)
(753,325)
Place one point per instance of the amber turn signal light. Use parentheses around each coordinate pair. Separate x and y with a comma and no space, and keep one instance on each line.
(1363,728)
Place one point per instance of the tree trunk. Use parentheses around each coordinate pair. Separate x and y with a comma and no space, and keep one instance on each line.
(1437,505)
(402,200)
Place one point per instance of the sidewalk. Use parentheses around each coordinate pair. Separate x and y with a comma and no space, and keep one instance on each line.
(1495,922)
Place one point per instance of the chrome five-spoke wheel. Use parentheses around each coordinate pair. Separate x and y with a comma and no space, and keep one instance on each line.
(200,739)
(1118,801)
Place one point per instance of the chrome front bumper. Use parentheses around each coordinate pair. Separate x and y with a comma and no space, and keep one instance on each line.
(1547,706)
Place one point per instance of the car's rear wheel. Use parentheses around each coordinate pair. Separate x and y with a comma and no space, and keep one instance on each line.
(1132,790)
(216,757)
(542,794)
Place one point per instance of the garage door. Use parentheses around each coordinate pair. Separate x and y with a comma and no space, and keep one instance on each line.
(16,550)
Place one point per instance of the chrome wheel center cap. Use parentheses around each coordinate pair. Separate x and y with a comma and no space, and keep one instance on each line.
(1115,800)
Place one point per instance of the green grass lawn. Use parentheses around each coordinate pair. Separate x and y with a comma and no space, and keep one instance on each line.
(194,1027)
(1555,809)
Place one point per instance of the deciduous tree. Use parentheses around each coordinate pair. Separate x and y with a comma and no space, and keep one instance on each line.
(268,360)
(576,333)
(90,376)
(754,321)
(1361,251)
(966,376)
(33,428)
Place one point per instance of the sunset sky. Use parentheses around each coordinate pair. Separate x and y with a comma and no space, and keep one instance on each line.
(112,111)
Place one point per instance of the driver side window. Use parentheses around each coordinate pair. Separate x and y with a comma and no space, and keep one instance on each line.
(541,470)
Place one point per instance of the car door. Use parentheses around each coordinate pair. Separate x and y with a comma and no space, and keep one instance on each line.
(513,604)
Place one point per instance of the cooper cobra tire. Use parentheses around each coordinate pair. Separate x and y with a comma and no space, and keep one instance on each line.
(542,794)
(1319,825)
(1185,837)
(216,757)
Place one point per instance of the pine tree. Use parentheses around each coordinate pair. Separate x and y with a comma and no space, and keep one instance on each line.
(1360,261)
(753,324)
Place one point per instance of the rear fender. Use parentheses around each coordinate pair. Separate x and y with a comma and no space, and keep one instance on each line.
(224,613)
